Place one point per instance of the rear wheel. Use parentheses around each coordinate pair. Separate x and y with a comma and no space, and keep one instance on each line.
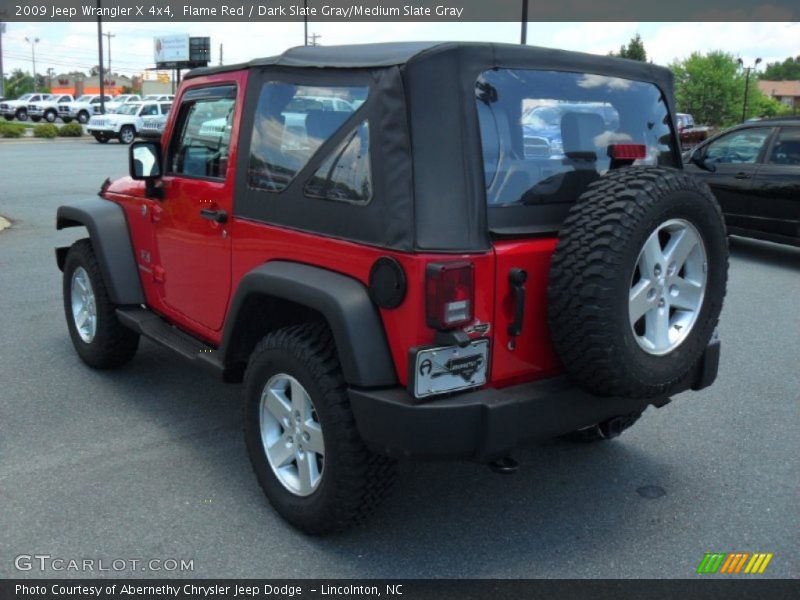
(50,116)
(8,117)
(637,281)
(36,119)
(301,435)
(100,137)
(83,117)
(22,115)
(98,337)
(127,134)
(66,119)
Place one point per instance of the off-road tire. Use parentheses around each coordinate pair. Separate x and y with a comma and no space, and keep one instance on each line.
(591,272)
(113,344)
(354,480)
(605,431)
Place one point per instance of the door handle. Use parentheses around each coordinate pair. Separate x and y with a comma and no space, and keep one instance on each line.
(742,175)
(218,216)
(517,278)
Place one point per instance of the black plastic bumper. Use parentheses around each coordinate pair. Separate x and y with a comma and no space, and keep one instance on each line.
(488,423)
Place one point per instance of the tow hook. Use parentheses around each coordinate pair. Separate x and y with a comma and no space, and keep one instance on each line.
(505,465)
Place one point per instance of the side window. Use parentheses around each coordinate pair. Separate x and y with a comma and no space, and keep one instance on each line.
(150,110)
(346,173)
(64,99)
(165,109)
(786,150)
(201,149)
(290,125)
(95,100)
(739,147)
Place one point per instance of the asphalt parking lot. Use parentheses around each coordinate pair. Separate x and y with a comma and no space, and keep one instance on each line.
(149,461)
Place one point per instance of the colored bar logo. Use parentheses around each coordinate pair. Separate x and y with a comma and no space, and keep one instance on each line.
(733,563)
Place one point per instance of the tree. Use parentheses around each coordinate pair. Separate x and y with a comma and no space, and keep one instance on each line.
(788,70)
(634,50)
(18,83)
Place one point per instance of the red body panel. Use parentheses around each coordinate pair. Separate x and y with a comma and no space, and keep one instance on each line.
(190,267)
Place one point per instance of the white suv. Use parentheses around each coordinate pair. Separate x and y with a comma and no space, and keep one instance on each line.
(127,122)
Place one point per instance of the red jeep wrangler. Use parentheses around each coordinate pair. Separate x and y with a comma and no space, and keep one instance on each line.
(366,237)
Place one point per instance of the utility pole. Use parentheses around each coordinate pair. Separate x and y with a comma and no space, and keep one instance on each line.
(523,38)
(305,22)
(109,36)
(100,56)
(220,55)
(314,37)
(2,78)
(50,73)
(33,42)
(747,71)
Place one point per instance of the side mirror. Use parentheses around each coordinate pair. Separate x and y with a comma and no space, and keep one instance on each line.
(144,164)
(701,161)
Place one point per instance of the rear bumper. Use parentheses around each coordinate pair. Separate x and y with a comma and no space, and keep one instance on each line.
(488,423)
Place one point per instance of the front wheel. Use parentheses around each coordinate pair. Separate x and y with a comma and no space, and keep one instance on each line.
(8,117)
(66,119)
(127,134)
(101,138)
(22,115)
(83,117)
(50,116)
(301,435)
(98,337)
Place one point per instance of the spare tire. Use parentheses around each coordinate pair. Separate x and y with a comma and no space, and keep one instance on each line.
(637,281)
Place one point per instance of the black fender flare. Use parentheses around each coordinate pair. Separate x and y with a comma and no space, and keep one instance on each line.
(111,241)
(343,301)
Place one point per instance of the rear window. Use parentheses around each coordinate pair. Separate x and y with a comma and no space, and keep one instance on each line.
(546,134)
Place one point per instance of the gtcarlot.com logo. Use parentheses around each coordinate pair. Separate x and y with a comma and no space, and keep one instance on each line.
(46,562)
(733,563)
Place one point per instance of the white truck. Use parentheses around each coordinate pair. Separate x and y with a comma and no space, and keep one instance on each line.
(117,102)
(18,109)
(127,122)
(47,108)
(82,109)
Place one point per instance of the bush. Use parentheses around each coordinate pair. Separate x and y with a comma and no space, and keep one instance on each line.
(45,130)
(71,130)
(11,130)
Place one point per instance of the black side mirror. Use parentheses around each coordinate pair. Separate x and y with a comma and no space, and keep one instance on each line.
(144,164)
(704,163)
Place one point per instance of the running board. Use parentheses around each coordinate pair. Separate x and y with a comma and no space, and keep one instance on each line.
(157,329)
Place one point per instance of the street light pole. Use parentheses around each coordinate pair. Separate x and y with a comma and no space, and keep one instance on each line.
(2,78)
(100,57)
(305,22)
(747,71)
(524,33)
(109,36)
(33,42)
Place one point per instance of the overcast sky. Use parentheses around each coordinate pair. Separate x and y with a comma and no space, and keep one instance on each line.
(69,46)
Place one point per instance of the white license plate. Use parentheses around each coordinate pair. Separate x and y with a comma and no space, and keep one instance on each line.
(449,369)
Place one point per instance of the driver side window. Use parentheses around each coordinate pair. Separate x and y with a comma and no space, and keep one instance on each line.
(739,147)
(205,126)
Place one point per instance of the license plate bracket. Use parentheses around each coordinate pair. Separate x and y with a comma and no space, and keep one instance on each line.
(441,369)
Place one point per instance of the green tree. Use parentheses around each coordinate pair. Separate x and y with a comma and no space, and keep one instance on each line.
(634,50)
(17,84)
(788,70)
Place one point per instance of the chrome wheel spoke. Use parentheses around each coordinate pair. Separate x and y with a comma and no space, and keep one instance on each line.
(679,248)
(639,300)
(657,327)
(277,404)
(282,451)
(686,294)
(307,473)
(84,306)
(651,258)
(314,441)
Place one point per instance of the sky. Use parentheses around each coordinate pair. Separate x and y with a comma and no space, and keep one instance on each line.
(73,46)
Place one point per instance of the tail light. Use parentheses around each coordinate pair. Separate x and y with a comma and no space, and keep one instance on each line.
(627,151)
(449,294)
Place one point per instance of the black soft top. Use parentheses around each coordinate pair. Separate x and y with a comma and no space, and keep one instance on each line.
(428,175)
(486,55)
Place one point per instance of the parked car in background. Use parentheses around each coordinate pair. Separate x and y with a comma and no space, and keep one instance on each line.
(153,127)
(117,102)
(18,109)
(689,133)
(754,171)
(47,108)
(158,98)
(82,109)
(126,123)
(541,125)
